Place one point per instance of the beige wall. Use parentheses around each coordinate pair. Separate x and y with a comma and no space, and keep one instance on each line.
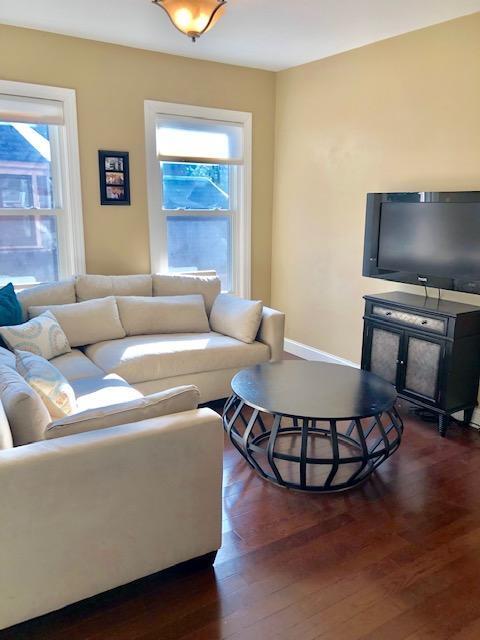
(398,115)
(112,83)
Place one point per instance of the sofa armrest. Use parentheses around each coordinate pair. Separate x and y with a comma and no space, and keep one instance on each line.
(92,511)
(162,403)
(272,332)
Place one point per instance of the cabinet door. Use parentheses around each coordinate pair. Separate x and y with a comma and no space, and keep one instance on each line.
(382,352)
(421,370)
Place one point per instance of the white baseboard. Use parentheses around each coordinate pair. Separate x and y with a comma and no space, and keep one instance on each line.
(310,353)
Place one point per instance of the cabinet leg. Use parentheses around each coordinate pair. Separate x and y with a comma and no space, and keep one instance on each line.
(467,416)
(443,422)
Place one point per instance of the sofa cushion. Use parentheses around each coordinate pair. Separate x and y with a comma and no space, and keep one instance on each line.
(52,387)
(236,317)
(170,285)
(62,292)
(87,322)
(165,314)
(92,393)
(75,365)
(26,414)
(144,358)
(158,404)
(43,336)
(92,286)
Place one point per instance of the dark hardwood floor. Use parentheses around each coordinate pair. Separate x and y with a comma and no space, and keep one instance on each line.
(395,559)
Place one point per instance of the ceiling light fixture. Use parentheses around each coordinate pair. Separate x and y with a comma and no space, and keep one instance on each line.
(192,17)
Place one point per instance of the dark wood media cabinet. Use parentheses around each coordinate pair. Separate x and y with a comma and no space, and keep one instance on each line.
(428,348)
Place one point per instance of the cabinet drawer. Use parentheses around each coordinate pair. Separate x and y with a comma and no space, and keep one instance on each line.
(435,325)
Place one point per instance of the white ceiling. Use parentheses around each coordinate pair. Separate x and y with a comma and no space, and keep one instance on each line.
(269,34)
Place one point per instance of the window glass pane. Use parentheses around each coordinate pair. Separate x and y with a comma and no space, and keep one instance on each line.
(195,186)
(25,166)
(28,249)
(198,243)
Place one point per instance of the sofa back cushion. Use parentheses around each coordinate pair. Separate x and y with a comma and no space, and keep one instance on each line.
(47,294)
(26,414)
(236,317)
(163,403)
(50,384)
(170,285)
(89,287)
(165,314)
(43,336)
(86,322)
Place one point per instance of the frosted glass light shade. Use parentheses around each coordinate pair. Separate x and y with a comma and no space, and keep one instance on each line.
(193,17)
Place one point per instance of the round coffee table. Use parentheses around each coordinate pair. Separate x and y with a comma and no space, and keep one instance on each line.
(312,426)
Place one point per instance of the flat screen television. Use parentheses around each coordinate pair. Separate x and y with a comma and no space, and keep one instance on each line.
(428,238)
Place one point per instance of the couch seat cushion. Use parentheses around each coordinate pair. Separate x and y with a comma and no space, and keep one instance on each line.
(91,393)
(176,400)
(75,365)
(144,358)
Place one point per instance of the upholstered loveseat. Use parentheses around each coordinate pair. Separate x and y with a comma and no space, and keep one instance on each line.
(97,500)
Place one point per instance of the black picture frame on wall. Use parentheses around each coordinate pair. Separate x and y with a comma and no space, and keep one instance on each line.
(114,174)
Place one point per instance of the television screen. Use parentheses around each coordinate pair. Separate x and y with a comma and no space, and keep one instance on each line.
(430,238)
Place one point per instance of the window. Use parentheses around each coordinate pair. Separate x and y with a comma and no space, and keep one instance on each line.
(41,231)
(199,191)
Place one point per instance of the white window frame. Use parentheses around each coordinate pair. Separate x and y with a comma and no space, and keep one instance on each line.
(65,169)
(241,220)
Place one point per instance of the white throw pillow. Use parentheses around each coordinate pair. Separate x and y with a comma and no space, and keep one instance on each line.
(86,322)
(43,336)
(51,385)
(167,314)
(236,317)
(164,403)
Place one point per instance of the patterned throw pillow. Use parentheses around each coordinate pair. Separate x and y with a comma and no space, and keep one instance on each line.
(50,384)
(42,335)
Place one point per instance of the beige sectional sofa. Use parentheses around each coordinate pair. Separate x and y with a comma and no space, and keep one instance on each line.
(155,362)
(91,506)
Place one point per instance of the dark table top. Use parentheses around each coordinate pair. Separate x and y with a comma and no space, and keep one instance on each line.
(314,390)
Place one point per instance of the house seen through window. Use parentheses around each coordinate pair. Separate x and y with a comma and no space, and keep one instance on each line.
(196,219)
(28,236)
(37,229)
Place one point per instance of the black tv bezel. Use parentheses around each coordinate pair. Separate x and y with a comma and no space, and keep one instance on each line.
(372,239)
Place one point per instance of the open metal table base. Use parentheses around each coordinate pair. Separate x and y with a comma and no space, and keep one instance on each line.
(311,455)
